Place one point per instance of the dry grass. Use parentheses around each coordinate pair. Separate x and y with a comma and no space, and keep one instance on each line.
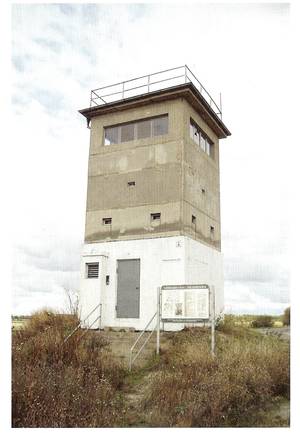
(192,389)
(56,385)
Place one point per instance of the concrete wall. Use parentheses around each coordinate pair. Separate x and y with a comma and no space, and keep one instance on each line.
(155,166)
(170,173)
(201,172)
(170,260)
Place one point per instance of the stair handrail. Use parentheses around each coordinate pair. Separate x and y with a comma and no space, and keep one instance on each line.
(82,321)
(131,360)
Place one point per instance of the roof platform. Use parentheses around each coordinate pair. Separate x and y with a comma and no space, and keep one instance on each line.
(157,87)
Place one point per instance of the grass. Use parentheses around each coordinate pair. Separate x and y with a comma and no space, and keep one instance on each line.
(80,384)
(57,385)
(192,389)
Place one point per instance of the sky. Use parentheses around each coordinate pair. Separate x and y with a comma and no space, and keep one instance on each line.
(62,51)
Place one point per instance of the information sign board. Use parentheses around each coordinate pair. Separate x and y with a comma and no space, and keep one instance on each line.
(185,303)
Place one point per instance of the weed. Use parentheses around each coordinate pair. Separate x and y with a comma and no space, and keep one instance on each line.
(62,385)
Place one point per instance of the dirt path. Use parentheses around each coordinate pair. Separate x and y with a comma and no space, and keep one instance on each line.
(134,392)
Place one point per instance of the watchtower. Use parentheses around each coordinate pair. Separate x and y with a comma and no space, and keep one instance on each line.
(153,197)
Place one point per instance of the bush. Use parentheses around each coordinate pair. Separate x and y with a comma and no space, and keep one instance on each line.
(62,385)
(193,389)
(263,322)
(286,317)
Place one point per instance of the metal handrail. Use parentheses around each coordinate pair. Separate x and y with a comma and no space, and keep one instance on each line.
(98,99)
(132,359)
(82,321)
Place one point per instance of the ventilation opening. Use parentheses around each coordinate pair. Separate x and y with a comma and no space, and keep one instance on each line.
(155,216)
(193,219)
(106,221)
(131,183)
(92,270)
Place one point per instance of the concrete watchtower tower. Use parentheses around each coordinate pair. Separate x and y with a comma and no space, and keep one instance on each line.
(153,198)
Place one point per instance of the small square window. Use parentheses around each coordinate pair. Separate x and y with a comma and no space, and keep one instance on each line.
(92,270)
(193,219)
(131,183)
(107,280)
(212,231)
(203,190)
(106,221)
(155,217)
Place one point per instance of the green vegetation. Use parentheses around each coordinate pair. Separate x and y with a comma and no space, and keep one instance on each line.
(79,384)
(263,322)
(286,317)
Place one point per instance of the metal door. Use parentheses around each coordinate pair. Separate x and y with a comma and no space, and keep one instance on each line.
(128,288)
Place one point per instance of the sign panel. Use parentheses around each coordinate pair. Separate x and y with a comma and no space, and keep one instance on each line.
(185,303)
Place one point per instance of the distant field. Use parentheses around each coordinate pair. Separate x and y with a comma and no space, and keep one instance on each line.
(18,324)
(246,320)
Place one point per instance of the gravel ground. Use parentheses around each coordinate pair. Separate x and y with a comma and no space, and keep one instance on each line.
(283,333)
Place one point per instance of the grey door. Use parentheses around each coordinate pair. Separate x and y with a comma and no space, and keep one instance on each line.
(128,288)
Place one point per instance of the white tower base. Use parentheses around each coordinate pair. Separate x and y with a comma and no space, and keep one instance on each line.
(163,261)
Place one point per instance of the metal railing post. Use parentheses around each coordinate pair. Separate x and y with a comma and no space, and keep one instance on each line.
(158,322)
(212,289)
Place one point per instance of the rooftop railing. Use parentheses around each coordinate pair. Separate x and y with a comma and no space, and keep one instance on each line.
(150,83)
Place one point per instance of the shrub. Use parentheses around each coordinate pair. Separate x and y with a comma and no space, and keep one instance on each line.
(286,317)
(62,385)
(193,389)
(262,322)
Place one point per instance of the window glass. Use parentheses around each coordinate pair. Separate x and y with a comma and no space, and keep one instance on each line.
(160,126)
(207,147)
(192,127)
(111,135)
(127,132)
(143,129)
(196,135)
(202,142)
(136,130)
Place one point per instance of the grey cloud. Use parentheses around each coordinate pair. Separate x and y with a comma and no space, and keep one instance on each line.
(52,255)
